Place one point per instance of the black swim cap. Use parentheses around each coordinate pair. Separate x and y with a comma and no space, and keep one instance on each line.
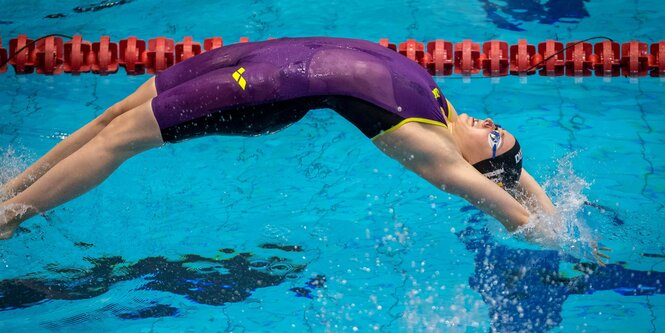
(505,169)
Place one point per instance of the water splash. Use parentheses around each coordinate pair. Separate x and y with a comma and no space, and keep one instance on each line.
(431,307)
(566,231)
(12,162)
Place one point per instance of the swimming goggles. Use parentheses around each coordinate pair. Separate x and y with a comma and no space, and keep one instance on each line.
(495,140)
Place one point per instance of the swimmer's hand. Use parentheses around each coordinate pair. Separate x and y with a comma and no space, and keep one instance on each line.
(541,230)
(598,255)
(572,237)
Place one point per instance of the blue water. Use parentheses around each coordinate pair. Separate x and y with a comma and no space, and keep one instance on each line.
(314,229)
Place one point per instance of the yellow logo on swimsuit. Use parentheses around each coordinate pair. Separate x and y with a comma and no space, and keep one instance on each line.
(436,93)
(241,80)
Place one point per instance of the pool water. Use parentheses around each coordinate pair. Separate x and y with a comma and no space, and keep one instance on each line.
(313,228)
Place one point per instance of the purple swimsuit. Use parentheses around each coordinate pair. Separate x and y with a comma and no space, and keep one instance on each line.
(262,87)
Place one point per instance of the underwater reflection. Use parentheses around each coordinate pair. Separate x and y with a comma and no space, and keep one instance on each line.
(525,290)
(510,14)
(203,280)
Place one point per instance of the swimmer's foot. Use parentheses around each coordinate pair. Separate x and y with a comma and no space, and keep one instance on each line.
(8,223)
(4,194)
(6,229)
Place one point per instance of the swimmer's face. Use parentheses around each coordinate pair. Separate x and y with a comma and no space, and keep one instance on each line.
(472,138)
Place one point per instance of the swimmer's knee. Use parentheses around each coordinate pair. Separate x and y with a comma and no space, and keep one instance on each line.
(111,113)
(145,92)
(110,139)
(130,133)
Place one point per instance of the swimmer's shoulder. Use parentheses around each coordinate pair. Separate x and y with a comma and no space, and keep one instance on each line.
(452,113)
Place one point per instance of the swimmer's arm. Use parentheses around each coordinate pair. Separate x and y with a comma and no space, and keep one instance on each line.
(460,178)
(530,194)
(432,155)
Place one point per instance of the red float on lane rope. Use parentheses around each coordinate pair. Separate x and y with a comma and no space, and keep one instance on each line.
(440,54)
(521,56)
(634,59)
(159,55)
(385,43)
(104,56)
(213,43)
(186,49)
(131,52)
(608,59)
(657,64)
(467,55)
(555,65)
(49,56)
(413,50)
(77,55)
(22,61)
(494,59)
(578,59)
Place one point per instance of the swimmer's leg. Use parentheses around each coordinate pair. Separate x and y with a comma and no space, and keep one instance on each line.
(127,135)
(77,139)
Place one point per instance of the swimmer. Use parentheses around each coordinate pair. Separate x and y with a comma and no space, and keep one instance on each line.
(260,88)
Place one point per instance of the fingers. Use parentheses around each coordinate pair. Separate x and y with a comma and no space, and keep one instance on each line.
(602,255)
(599,256)
(599,260)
